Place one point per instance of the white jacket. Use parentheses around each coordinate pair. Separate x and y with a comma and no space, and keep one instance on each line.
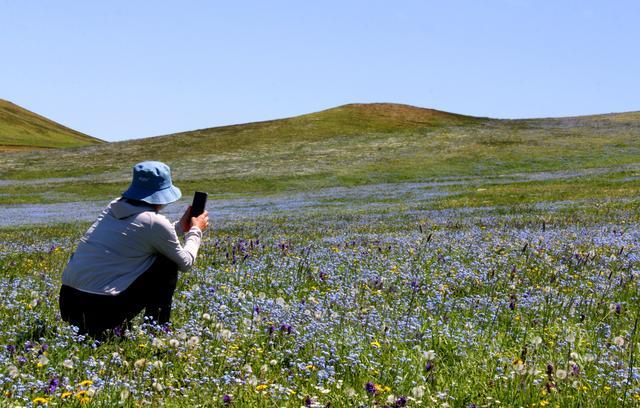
(122,244)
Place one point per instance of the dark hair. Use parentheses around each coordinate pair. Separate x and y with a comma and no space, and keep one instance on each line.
(137,203)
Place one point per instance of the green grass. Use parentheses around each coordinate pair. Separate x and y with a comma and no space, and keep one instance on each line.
(368,288)
(21,129)
(345,146)
(357,287)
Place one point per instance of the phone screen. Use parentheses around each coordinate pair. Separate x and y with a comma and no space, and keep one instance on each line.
(199,203)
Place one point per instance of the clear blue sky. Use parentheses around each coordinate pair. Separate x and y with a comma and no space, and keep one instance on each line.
(129,69)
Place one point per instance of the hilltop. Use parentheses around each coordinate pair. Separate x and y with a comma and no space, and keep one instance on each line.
(349,145)
(21,129)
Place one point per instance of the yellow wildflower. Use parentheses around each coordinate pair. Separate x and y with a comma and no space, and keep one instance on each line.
(40,400)
(66,394)
(261,387)
(375,344)
(86,383)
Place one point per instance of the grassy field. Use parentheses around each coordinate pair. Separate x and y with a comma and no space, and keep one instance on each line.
(345,146)
(22,130)
(533,306)
(368,255)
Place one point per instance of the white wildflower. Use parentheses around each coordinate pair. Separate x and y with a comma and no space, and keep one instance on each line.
(618,341)
(225,334)
(158,386)
(193,342)
(418,391)
(124,395)
(43,360)
(13,371)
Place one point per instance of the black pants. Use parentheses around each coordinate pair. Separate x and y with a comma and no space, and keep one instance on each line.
(95,314)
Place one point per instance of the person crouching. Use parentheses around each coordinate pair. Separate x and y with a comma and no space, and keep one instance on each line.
(128,260)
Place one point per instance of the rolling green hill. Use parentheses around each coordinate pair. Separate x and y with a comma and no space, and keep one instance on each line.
(21,129)
(354,144)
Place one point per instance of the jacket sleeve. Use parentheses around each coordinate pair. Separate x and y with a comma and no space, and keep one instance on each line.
(164,239)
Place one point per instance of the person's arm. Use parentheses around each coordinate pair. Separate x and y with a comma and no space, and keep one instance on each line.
(164,239)
(184,223)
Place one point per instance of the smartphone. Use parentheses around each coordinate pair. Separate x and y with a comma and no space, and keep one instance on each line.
(199,203)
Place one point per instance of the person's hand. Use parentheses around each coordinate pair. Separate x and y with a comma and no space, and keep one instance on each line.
(185,221)
(201,221)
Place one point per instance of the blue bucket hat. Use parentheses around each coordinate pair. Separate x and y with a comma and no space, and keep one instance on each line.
(152,184)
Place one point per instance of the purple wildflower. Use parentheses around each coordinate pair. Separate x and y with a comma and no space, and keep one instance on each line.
(370,387)
(575,369)
(53,384)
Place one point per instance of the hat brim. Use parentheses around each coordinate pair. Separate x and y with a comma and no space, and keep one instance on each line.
(164,196)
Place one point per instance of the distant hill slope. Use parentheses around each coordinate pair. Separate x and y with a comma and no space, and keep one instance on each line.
(348,145)
(21,129)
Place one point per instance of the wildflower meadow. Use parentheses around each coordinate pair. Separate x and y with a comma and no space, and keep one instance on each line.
(358,305)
